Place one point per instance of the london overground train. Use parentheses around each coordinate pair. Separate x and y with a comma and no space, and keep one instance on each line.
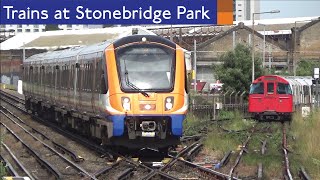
(130,92)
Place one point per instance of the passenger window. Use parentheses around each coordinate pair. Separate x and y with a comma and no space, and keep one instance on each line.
(270,87)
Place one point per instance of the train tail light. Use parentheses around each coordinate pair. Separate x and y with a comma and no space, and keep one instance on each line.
(169,103)
(126,103)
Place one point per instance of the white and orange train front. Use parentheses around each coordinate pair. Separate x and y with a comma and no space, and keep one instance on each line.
(146,95)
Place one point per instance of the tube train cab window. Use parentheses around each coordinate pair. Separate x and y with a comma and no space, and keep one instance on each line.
(283,88)
(270,87)
(257,88)
(146,67)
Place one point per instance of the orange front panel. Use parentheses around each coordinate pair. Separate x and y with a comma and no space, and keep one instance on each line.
(137,100)
(113,79)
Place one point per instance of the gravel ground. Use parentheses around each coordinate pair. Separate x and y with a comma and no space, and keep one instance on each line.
(92,160)
(24,156)
(120,167)
(48,155)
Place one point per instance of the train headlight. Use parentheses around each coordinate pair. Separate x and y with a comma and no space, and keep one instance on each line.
(168,103)
(126,103)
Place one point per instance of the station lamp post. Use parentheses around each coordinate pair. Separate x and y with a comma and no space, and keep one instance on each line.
(252,36)
(264,44)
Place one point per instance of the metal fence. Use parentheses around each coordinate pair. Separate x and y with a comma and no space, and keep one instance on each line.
(213,111)
(210,106)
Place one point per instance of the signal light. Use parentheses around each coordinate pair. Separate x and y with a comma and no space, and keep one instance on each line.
(314,81)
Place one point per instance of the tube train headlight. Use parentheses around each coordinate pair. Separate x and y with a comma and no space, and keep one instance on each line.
(126,103)
(168,103)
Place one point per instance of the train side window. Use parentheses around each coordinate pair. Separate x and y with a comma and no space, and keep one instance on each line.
(83,76)
(78,70)
(186,83)
(25,71)
(103,85)
(36,76)
(90,77)
(31,74)
(270,88)
(71,82)
(98,75)
(67,78)
(257,88)
(306,89)
(50,81)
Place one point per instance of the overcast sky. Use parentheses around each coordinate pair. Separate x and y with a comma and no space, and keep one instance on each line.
(290,8)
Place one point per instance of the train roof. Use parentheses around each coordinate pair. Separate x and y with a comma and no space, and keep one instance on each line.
(299,80)
(74,52)
(293,80)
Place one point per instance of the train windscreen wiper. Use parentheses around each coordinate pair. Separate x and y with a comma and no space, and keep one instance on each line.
(132,86)
(128,83)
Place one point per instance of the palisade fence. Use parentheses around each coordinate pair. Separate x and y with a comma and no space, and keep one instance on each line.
(206,105)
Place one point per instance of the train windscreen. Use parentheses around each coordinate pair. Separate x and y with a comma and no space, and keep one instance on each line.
(283,88)
(146,67)
(257,88)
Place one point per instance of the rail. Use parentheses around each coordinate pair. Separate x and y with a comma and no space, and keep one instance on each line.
(47,164)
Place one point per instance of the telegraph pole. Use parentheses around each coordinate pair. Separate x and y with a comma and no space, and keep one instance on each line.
(316,78)
(195,65)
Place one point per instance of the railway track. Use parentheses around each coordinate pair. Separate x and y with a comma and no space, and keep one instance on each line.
(73,151)
(14,166)
(287,173)
(126,168)
(56,164)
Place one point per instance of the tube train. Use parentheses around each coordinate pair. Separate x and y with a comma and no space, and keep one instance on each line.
(131,92)
(275,98)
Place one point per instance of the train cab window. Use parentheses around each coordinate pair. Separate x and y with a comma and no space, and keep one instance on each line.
(283,88)
(257,88)
(270,88)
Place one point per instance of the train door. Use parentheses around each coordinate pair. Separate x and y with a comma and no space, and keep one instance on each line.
(284,97)
(270,96)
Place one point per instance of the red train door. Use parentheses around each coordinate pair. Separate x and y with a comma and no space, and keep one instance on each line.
(284,99)
(270,96)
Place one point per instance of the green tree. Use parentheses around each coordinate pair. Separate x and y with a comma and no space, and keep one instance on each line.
(305,67)
(52,27)
(236,70)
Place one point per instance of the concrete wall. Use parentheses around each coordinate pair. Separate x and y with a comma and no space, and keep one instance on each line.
(11,61)
(309,44)
(226,43)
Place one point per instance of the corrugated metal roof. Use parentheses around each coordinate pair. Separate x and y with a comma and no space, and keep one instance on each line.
(67,38)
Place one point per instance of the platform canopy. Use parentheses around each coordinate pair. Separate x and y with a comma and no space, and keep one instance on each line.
(51,40)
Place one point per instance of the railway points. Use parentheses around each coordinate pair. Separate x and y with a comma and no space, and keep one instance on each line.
(148,172)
